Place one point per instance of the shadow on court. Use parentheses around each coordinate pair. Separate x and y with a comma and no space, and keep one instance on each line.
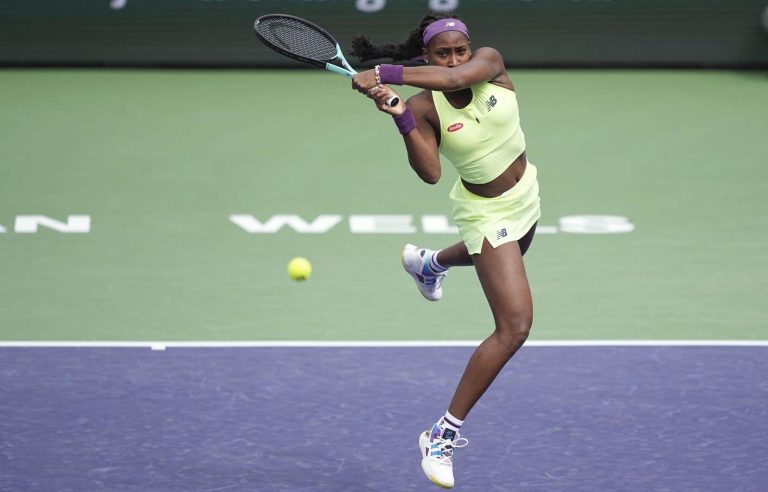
(347,419)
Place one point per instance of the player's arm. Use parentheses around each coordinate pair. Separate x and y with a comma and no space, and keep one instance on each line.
(421,144)
(420,141)
(485,65)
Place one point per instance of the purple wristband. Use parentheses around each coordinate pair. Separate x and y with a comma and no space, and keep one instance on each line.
(405,122)
(391,74)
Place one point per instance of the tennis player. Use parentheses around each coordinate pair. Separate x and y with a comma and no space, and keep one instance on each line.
(468,112)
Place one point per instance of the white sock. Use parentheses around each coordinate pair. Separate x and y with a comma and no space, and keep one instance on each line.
(450,426)
(434,265)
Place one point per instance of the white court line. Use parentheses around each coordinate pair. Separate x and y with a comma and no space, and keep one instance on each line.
(162,345)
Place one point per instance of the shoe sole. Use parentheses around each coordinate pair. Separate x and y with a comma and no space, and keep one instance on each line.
(415,278)
(424,448)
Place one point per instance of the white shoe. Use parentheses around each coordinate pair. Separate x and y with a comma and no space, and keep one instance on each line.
(415,261)
(437,454)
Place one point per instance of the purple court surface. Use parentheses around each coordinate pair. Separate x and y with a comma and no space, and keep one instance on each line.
(347,419)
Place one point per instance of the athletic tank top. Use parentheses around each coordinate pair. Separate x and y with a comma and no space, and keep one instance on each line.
(483,138)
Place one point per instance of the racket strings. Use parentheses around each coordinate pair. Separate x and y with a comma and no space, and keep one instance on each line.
(297,37)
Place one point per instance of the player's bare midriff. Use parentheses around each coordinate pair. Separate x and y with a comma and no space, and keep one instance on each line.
(504,182)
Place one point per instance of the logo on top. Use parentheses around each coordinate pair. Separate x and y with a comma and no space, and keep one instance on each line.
(455,127)
(490,103)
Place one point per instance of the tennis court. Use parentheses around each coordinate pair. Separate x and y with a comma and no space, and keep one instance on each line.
(151,339)
(161,161)
(346,418)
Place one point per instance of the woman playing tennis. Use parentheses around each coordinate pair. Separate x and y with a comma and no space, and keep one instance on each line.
(467,112)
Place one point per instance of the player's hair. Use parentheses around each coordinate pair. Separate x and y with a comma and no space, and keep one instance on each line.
(410,49)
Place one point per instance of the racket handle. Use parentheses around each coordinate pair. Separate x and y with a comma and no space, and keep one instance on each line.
(392,101)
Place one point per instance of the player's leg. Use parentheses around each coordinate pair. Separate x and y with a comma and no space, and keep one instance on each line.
(502,275)
(457,254)
(428,267)
(454,255)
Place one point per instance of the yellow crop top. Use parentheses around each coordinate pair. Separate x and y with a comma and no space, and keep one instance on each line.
(483,138)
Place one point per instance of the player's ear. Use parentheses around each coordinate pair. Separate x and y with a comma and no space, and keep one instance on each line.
(425,55)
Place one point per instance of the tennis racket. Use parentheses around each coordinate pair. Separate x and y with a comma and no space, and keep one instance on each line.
(304,41)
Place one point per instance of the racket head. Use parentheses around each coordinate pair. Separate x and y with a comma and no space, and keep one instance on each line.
(297,38)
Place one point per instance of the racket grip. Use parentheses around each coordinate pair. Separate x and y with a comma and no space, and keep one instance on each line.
(392,101)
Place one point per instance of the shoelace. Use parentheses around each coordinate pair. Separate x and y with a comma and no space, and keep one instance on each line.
(446,448)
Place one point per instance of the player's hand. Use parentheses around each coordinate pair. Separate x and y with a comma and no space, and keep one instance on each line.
(383,93)
(364,81)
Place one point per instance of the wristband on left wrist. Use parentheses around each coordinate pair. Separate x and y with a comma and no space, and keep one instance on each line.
(390,74)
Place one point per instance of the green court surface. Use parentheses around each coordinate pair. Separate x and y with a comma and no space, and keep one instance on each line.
(160,161)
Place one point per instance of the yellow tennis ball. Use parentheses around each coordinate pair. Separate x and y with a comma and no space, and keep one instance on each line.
(299,269)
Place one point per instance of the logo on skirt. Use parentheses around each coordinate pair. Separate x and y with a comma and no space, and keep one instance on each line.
(501,233)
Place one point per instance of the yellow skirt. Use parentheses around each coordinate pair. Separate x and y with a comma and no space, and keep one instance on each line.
(500,219)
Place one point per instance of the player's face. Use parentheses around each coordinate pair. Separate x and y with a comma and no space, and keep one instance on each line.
(448,49)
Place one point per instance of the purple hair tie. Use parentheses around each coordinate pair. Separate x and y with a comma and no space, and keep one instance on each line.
(391,74)
(405,121)
(444,25)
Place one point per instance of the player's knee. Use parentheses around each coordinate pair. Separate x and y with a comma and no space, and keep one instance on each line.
(513,331)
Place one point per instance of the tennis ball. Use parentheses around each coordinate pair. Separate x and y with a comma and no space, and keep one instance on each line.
(299,269)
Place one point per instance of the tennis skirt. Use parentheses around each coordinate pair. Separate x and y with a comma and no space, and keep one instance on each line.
(500,219)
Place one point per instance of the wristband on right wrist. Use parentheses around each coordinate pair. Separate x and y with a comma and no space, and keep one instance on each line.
(405,122)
